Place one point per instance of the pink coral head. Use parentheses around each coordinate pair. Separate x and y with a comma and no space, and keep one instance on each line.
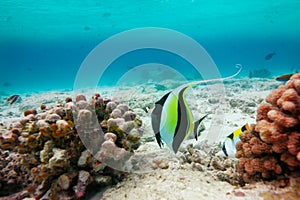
(108,148)
(119,153)
(273,146)
(70,105)
(294,143)
(296,84)
(108,144)
(85,115)
(295,76)
(110,136)
(282,119)
(80,97)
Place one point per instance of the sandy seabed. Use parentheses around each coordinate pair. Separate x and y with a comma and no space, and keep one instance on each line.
(229,106)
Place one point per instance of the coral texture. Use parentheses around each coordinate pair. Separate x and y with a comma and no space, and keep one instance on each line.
(46,150)
(201,158)
(12,175)
(272,147)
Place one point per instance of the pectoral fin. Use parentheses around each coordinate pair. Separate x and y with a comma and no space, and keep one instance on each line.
(196,125)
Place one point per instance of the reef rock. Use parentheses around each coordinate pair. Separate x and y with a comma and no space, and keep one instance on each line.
(60,159)
(45,154)
(13,175)
(271,149)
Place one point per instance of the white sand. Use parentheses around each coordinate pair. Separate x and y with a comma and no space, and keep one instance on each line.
(180,185)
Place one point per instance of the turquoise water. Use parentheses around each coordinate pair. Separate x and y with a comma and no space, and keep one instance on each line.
(42,45)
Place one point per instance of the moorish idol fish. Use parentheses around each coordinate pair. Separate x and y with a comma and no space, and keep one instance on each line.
(172,119)
(284,77)
(12,99)
(269,56)
(228,146)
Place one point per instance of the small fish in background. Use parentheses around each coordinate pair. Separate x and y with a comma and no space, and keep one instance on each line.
(147,109)
(260,73)
(172,119)
(228,146)
(6,84)
(13,98)
(86,28)
(160,87)
(270,56)
(284,78)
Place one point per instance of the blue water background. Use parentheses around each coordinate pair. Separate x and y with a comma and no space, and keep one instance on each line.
(43,43)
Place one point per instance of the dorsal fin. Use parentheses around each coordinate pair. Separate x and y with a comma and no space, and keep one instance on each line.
(163,99)
(231,136)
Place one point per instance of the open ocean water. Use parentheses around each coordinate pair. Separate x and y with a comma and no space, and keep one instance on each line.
(43,43)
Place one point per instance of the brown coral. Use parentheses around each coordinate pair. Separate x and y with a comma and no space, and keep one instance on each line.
(29,112)
(9,139)
(294,143)
(272,146)
(13,176)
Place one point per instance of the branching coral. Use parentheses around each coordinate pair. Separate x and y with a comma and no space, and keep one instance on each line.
(272,146)
(53,157)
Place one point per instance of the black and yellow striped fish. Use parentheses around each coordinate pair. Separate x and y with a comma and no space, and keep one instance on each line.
(229,145)
(172,119)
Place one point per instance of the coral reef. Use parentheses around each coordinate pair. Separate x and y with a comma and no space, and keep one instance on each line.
(201,158)
(46,152)
(13,175)
(272,147)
